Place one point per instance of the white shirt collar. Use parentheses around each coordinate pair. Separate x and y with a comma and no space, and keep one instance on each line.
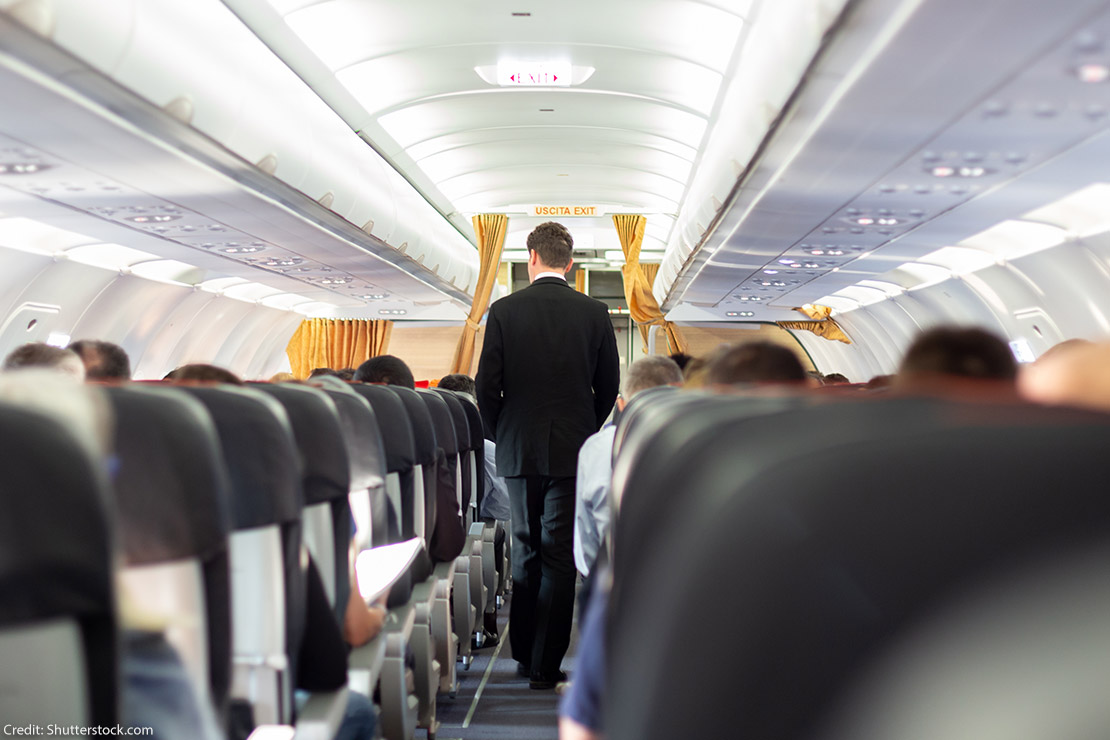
(551,274)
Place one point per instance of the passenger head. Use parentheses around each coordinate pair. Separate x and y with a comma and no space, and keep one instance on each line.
(693,375)
(323,371)
(754,362)
(282,378)
(835,379)
(948,352)
(550,247)
(347,373)
(202,373)
(649,372)
(41,355)
(459,382)
(1076,375)
(385,370)
(681,359)
(1065,346)
(103,360)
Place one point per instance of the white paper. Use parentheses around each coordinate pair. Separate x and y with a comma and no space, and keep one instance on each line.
(379,568)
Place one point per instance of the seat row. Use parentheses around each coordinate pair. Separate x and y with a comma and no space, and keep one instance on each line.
(801,567)
(225,504)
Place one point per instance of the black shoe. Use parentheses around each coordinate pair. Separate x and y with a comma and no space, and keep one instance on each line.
(546,681)
(523,671)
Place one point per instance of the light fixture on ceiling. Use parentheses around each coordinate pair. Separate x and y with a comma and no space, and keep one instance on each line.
(241,250)
(283,262)
(22,168)
(374,296)
(159,218)
(392,312)
(1092,72)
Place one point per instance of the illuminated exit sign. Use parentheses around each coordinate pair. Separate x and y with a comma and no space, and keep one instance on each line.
(549,211)
(531,74)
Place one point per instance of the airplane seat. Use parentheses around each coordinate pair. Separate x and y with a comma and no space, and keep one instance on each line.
(400,453)
(502,569)
(448,531)
(376,524)
(58,643)
(638,405)
(326,519)
(173,507)
(425,446)
(410,620)
(479,535)
(821,556)
(269,562)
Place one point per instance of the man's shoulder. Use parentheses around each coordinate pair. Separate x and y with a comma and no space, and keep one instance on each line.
(547,293)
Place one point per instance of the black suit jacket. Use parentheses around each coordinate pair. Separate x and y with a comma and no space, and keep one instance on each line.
(547,377)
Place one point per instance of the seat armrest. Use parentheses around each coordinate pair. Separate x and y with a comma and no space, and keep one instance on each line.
(321,715)
(364,665)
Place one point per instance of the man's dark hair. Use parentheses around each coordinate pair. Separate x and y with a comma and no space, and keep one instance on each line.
(681,359)
(754,362)
(459,382)
(347,373)
(201,373)
(554,244)
(959,351)
(317,372)
(103,360)
(39,354)
(385,369)
(836,379)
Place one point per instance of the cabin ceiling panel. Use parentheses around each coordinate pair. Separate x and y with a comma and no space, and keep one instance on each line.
(344,32)
(972,114)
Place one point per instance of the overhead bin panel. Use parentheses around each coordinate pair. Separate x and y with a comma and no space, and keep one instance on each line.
(246,100)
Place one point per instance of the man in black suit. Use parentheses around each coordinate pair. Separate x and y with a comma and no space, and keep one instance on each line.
(547,379)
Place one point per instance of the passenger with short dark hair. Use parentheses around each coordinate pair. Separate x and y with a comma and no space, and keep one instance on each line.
(104,361)
(460,383)
(42,355)
(681,359)
(754,363)
(947,352)
(835,379)
(199,372)
(317,372)
(347,374)
(385,370)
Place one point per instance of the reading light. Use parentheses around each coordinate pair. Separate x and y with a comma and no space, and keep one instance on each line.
(157,219)
(392,312)
(373,296)
(771,272)
(283,262)
(1092,72)
(241,250)
(22,168)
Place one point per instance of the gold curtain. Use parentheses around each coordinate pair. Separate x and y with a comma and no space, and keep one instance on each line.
(336,343)
(637,286)
(490,230)
(580,280)
(821,323)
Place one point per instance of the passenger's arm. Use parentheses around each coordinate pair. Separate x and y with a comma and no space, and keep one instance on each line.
(571,730)
(607,374)
(488,379)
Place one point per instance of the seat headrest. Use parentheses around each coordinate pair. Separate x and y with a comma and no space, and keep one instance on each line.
(363,437)
(260,452)
(460,419)
(55,546)
(172,490)
(441,417)
(319,436)
(423,429)
(393,420)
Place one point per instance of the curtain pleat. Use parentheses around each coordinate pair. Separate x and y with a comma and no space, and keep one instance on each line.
(642,305)
(580,280)
(336,343)
(490,230)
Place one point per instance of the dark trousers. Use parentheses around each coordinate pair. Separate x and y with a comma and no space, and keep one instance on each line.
(542,606)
